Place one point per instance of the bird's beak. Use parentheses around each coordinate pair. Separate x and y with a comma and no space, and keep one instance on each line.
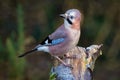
(63,16)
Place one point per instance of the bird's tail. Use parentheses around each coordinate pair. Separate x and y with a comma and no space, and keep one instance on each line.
(22,55)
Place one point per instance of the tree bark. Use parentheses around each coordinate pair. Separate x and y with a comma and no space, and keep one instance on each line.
(82,61)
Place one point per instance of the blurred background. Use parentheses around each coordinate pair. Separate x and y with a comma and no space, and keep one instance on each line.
(25,23)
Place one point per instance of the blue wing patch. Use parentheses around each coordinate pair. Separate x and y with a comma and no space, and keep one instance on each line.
(57,41)
(48,41)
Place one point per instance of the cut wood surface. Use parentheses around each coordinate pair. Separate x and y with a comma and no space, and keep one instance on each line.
(82,61)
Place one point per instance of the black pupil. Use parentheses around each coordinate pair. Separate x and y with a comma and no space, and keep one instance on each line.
(71,17)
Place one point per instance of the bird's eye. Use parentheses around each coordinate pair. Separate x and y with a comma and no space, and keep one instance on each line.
(71,17)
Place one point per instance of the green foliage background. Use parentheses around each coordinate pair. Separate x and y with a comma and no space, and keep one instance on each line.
(25,23)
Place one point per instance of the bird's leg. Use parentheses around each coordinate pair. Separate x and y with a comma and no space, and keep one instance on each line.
(63,62)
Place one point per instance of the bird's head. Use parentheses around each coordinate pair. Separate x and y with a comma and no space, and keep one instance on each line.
(72,18)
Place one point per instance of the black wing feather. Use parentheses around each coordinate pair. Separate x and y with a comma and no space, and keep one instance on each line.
(49,41)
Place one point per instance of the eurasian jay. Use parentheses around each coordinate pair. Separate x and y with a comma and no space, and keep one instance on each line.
(64,38)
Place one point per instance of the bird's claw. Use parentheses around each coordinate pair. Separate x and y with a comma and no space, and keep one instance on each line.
(70,57)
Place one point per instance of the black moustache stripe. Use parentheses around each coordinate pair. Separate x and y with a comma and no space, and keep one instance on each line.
(69,21)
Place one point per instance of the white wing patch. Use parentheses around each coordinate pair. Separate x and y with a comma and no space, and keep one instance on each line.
(46,42)
(43,48)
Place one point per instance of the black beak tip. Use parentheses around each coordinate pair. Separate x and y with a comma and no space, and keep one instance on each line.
(62,15)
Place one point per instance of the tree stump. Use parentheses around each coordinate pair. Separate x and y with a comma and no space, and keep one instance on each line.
(82,61)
